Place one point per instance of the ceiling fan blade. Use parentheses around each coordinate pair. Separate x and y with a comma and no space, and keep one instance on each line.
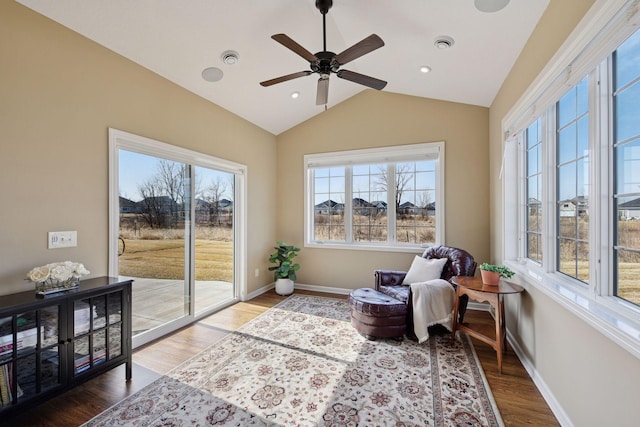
(290,44)
(365,46)
(323,91)
(285,78)
(371,82)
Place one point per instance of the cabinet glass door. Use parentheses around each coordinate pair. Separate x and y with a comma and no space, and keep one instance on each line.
(97,333)
(29,354)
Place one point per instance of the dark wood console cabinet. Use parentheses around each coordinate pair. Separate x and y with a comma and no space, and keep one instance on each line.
(50,344)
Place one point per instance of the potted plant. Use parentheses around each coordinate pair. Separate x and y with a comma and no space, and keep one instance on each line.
(285,271)
(491,273)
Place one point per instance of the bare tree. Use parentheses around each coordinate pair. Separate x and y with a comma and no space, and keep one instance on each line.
(215,192)
(151,192)
(163,194)
(171,177)
(424,199)
(403,177)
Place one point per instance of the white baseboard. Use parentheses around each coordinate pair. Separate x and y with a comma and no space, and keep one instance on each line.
(326,289)
(548,396)
(259,291)
(315,288)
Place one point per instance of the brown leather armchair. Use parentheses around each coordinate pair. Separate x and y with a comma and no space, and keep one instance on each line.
(459,263)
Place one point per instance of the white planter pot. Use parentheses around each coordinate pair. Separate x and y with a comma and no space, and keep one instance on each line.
(284,286)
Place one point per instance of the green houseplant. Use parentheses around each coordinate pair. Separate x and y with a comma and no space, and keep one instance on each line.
(491,273)
(284,273)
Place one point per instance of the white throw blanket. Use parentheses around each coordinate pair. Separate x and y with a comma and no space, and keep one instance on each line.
(432,304)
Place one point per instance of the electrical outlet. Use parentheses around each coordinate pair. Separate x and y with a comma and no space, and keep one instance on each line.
(257,272)
(62,239)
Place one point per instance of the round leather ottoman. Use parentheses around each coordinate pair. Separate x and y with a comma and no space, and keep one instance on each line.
(376,315)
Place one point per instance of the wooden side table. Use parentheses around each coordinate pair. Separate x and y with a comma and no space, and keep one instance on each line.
(478,291)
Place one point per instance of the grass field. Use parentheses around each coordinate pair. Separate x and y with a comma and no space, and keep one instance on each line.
(159,254)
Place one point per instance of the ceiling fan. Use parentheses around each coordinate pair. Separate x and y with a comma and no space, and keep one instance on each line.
(324,63)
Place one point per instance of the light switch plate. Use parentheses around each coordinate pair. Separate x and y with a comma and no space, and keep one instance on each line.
(62,239)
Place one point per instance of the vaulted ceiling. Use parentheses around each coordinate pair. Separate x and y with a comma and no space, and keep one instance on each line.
(179,39)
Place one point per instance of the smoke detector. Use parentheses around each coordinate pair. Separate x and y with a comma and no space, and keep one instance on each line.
(230,57)
(443,42)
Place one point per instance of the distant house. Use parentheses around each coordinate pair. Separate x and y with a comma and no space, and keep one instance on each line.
(329,207)
(534,206)
(361,206)
(408,208)
(129,206)
(161,204)
(569,208)
(379,207)
(629,210)
(430,209)
(225,206)
(203,211)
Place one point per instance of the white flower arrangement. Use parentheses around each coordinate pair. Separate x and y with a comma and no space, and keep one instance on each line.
(57,275)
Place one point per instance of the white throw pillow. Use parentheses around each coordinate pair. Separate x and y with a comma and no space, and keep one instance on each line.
(423,269)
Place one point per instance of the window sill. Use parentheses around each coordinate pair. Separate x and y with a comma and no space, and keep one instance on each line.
(615,320)
(369,247)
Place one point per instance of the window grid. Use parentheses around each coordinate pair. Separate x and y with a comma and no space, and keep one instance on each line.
(626,158)
(572,180)
(534,191)
(329,196)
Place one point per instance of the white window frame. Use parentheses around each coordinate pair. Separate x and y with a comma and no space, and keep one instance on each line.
(394,154)
(119,139)
(607,24)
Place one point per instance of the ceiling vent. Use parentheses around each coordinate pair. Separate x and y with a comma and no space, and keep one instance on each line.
(230,57)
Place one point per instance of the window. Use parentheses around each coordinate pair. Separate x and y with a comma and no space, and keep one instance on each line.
(177,224)
(572,185)
(384,197)
(626,157)
(534,191)
(572,182)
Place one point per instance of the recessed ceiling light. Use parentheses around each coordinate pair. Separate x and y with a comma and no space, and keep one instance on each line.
(490,6)
(230,57)
(425,69)
(444,42)
(295,95)
(212,74)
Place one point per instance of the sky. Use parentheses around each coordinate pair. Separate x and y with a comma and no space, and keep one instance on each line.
(137,168)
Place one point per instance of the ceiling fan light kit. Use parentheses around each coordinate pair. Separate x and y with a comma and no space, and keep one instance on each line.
(326,62)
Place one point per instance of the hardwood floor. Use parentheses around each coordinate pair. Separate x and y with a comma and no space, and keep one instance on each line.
(519,401)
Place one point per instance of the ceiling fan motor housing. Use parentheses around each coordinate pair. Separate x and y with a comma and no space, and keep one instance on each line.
(325,64)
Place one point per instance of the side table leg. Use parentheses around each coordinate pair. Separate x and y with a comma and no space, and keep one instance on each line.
(499,331)
(455,314)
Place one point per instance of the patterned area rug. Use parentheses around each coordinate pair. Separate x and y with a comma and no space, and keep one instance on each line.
(301,363)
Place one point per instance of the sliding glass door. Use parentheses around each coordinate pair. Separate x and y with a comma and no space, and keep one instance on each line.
(175,233)
(214,233)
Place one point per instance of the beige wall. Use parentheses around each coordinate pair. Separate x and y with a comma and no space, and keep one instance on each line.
(594,380)
(378,119)
(59,93)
